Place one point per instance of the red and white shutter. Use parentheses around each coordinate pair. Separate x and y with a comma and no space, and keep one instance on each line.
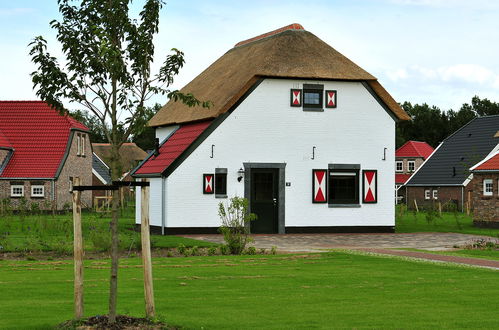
(208,183)
(319,186)
(331,98)
(369,186)
(295,100)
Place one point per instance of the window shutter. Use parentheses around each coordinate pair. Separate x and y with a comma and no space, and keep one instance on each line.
(319,186)
(331,99)
(208,183)
(295,99)
(370,186)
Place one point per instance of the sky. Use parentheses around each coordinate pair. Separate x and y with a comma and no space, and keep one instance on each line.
(440,52)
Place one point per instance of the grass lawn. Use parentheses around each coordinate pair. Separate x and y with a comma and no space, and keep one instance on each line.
(475,253)
(411,222)
(329,290)
(47,232)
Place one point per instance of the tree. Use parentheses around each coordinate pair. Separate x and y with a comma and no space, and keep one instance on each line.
(108,58)
(144,136)
(92,122)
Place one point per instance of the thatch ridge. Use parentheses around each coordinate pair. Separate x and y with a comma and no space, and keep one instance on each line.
(288,54)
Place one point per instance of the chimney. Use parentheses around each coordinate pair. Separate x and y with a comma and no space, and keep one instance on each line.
(156,147)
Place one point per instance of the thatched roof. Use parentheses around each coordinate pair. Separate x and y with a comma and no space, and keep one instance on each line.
(289,52)
(130,154)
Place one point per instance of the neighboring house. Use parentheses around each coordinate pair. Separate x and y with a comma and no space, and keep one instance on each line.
(445,176)
(302,132)
(485,191)
(101,176)
(40,154)
(408,158)
(130,156)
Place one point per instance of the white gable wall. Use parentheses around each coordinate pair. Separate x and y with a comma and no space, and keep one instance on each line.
(265,129)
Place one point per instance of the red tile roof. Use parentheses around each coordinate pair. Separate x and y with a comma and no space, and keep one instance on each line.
(490,165)
(38,135)
(4,142)
(173,147)
(401,178)
(414,149)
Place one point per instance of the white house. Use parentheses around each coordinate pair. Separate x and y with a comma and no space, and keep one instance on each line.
(297,128)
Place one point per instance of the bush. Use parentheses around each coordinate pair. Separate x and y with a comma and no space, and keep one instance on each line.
(224,250)
(181,249)
(212,251)
(251,250)
(235,224)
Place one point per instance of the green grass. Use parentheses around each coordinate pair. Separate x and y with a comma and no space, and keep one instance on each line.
(411,222)
(47,232)
(330,290)
(474,253)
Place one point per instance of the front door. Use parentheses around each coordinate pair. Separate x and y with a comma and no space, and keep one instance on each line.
(264,200)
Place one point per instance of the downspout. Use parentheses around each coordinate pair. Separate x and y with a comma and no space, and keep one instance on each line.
(52,189)
(163,211)
(462,199)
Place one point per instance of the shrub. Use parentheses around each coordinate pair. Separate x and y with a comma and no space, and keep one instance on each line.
(101,240)
(251,250)
(181,249)
(235,223)
(224,249)
(212,251)
(273,250)
(194,251)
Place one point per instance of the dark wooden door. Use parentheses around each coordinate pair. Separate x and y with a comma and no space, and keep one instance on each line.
(264,200)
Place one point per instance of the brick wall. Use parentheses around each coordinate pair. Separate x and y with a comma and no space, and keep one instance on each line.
(3,154)
(405,169)
(486,208)
(445,195)
(44,203)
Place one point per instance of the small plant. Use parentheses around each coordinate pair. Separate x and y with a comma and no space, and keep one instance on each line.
(263,251)
(235,223)
(194,251)
(169,254)
(224,249)
(212,251)
(273,250)
(181,249)
(251,250)
(35,208)
(100,240)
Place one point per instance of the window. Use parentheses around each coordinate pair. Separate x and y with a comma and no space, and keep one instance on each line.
(312,97)
(70,184)
(78,145)
(435,194)
(343,184)
(427,194)
(488,189)
(221,182)
(37,191)
(16,190)
(411,166)
(82,137)
(399,166)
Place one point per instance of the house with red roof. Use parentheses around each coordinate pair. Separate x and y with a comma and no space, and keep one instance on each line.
(41,152)
(283,132)
(485,190)
(408,158)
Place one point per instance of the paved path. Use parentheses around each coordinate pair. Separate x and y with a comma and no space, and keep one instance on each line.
(317,242)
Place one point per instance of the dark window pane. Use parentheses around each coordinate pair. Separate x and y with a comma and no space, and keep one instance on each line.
(344,187)
(311,98)
(263,187)
(221,183)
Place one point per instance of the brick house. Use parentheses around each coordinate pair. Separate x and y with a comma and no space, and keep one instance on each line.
(408,158)
(40,154)
(445,177)
(485,191)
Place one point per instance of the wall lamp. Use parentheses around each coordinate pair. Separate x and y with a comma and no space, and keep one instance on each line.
(240,174)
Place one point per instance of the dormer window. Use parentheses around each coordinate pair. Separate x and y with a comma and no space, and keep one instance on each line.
(313,97)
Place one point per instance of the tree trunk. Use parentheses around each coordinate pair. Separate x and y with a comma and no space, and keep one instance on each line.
(113,283)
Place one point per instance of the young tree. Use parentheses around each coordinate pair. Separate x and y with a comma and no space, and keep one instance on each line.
(108,58)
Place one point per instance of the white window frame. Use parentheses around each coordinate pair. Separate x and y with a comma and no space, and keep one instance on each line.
(435,194)
(485,191)
(82,137)
(37,186)
(409,163)
(401,166)
(78,145)
(16,186)
(427,194)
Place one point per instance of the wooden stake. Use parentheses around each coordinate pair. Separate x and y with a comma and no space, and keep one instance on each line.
(146,253)
(440,208)
(78,252)
(416,205)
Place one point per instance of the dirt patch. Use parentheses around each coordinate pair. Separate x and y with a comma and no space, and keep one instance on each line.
(122,322)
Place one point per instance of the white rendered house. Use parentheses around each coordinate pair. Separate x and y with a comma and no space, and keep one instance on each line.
(301,131)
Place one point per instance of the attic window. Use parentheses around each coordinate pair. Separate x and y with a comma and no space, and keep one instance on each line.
(313,97)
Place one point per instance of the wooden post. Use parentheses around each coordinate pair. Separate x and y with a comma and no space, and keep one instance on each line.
(146,253)
(468,203)
(78,252)
(122,198)
(440,208)
(416,205)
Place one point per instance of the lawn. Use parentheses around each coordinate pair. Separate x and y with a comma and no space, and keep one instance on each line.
(47,232)
(329,290)
(490,254)
(412,222)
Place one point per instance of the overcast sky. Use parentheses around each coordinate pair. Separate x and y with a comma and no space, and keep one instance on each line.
(441,52)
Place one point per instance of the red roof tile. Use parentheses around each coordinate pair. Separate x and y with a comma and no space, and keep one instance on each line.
(4,142)
(490,165)
(414,149)
(401,178)
(38,135)
(173,147)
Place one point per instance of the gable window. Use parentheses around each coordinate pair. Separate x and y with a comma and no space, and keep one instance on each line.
(399,166)
(16,190)
(343,189)
(313,97)
(82,151)
(411,166)
(37,191)
(435,194)
(488,189)
(78,145)
(427,194)
(220,182)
